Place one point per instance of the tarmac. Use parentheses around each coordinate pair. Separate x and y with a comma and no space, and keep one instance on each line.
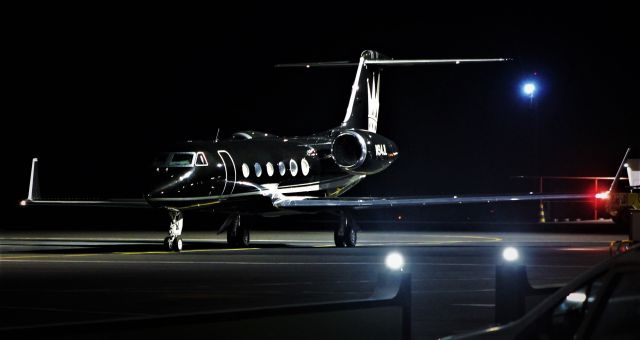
(67,276)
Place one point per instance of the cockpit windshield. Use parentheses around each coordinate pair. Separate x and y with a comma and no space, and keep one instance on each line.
(180,160)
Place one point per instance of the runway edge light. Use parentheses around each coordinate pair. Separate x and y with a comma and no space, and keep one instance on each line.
(394,261)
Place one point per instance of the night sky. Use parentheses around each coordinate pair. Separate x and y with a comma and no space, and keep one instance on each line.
(92,95)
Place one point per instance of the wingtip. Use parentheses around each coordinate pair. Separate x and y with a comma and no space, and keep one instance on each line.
(34,183)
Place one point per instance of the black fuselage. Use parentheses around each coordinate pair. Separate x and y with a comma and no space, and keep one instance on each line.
(252,169)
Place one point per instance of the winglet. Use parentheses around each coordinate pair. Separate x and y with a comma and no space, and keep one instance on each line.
(614,184)
(34,183)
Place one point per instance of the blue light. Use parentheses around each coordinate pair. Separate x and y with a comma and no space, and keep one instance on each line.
(529,89)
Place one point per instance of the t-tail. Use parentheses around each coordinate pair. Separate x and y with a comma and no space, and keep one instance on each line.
(364,103)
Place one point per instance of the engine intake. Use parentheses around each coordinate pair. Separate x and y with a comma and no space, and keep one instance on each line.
(349,150)
(362,152)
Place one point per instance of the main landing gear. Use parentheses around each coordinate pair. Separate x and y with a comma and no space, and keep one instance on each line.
(346,234)
(237,235)
(174,240)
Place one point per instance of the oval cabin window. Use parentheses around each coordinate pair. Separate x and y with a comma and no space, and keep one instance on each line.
(245,170)
(270,169)
(258,169)
(304,166)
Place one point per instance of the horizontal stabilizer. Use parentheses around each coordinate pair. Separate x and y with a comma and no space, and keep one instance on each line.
(392,62)
(319,64)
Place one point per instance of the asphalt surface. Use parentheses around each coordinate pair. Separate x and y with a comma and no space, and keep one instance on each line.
(51,277)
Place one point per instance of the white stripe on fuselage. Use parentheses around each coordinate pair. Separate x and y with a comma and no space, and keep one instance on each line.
(226,172)
(268,189)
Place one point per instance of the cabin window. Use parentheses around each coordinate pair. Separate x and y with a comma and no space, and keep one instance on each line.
(182,159)
(245,170)
(293,167)
(201,159)
(270,169)
(304,166)
(281,168)
(258,169)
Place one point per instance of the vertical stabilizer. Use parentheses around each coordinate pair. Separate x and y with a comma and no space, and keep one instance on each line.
(364,102)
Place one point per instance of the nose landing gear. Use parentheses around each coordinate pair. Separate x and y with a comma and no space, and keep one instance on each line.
(173,242)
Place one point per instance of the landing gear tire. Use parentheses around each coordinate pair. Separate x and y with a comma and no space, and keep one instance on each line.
(177,244)
(168,243)
(346,235)
(350,237)
(243,237)
(238,235)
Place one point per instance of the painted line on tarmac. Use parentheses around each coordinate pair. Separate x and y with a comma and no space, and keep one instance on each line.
(483,305)
(265,263)
(21,257)
(182,251)
(193,262)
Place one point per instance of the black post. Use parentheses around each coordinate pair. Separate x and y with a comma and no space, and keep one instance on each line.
(405,296)
(512,286)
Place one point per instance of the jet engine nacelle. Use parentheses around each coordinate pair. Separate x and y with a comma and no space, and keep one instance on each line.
(363,152)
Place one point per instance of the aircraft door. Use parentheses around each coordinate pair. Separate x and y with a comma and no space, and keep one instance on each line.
(229,172)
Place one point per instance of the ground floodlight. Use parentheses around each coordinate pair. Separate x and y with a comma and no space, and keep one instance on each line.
(510,254)
(394,261)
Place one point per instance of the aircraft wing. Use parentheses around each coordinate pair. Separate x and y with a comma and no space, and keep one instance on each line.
(290,202)
(34,198)
(111,203)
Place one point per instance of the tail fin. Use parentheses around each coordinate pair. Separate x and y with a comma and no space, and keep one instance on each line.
(363,114)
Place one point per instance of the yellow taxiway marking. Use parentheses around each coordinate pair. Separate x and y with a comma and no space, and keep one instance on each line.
(119,253)
(424,243)
(183,251)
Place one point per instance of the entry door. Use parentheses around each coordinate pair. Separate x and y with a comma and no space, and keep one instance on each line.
(229,172)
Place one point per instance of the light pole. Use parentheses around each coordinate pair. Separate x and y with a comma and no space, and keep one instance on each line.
(529,90)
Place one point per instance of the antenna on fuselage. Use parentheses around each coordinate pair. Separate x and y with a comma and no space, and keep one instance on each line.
(217,133)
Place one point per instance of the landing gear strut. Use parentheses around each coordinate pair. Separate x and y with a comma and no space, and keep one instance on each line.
(346,234)
(174,240)
(238,235)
